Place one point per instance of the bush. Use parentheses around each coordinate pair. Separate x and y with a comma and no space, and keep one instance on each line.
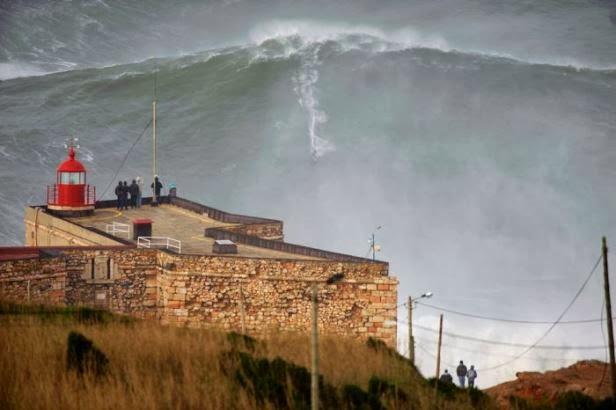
(356,398)
(82,356)
(574,400)
(445,390)
(389,393)
(284,385)
(240,341)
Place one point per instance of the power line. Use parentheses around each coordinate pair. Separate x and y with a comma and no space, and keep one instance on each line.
(497,319)
(500,343)
(535,345)
(125,158)
(492,354)
(526,350)
(434,356)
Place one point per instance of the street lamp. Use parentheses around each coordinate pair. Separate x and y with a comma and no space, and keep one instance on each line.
(410,303)
(314,386)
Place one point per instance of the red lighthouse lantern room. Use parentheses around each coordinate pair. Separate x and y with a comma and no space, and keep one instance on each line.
(70,194)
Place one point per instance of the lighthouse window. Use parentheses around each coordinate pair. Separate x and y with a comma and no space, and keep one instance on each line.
(72,178)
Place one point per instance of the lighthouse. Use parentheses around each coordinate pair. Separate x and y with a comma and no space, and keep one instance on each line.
(70,195)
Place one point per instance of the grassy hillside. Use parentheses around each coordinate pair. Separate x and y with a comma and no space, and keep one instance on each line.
(151,366)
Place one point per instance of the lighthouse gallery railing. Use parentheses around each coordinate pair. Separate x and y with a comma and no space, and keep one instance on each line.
(88,199)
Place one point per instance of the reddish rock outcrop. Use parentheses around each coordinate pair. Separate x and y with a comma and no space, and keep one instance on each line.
(591,377)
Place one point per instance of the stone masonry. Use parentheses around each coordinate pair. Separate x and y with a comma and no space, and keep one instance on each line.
(264,289)
(200,291)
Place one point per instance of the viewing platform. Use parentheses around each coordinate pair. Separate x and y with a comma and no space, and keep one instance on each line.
(183,225)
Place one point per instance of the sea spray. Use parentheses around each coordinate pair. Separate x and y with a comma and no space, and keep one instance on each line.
(305,87)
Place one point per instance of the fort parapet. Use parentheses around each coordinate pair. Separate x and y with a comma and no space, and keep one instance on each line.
(265,286)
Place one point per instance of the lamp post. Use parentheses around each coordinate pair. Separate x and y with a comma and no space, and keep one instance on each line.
(314,379)
(410,303)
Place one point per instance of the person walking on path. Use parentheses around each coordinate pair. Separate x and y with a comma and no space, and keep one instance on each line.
(472,375)
(140,193)
(134,192)
(118,192)
(461,372)
(446,378)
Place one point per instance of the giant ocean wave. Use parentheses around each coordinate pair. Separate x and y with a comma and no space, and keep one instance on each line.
(488,160)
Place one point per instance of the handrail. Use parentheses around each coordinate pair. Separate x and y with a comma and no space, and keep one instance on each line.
(159,242)
(220,233)
(117,227)
(219,215)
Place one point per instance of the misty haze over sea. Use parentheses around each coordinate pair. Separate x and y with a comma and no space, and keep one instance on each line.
(480,134)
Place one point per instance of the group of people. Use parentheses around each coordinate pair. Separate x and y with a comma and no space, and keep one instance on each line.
(463,373)
(130,195)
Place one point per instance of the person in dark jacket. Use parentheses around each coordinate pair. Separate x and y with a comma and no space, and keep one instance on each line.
(157,186)
(134,193)
(446,378)
(461,372)
(118,192)
(125,195)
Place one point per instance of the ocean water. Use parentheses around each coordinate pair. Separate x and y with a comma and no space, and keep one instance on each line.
(480,134)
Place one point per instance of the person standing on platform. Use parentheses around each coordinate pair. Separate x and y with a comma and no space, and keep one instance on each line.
(157,186)
(140,193)
(461,372)
(118,192)
(125,190)
(134,192)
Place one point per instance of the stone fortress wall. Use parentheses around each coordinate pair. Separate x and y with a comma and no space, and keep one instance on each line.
(66,263)
(201,291)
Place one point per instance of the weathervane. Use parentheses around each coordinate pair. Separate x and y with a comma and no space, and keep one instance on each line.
(71,142)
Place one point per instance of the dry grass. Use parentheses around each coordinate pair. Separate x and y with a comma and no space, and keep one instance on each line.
(156,367)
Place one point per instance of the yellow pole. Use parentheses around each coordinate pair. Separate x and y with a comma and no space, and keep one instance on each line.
(154,171)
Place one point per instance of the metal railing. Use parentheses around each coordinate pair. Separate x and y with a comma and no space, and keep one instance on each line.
(159,242)
(219,233)
(118,228)
(90,195)
(52,194)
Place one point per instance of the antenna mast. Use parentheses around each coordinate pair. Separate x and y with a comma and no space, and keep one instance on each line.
(154,168)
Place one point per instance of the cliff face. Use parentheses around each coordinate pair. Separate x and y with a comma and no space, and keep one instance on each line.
(590,377)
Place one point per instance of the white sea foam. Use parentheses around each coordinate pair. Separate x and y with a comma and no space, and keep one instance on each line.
(370,38)
(17,70)
(305,80)
(4,153)
(349,36)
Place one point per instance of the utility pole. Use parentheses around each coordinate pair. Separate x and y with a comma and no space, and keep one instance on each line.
(242,312)
(438,361)
(154,168)
(411,340)
(314,386)
(608,308)
(438,352)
